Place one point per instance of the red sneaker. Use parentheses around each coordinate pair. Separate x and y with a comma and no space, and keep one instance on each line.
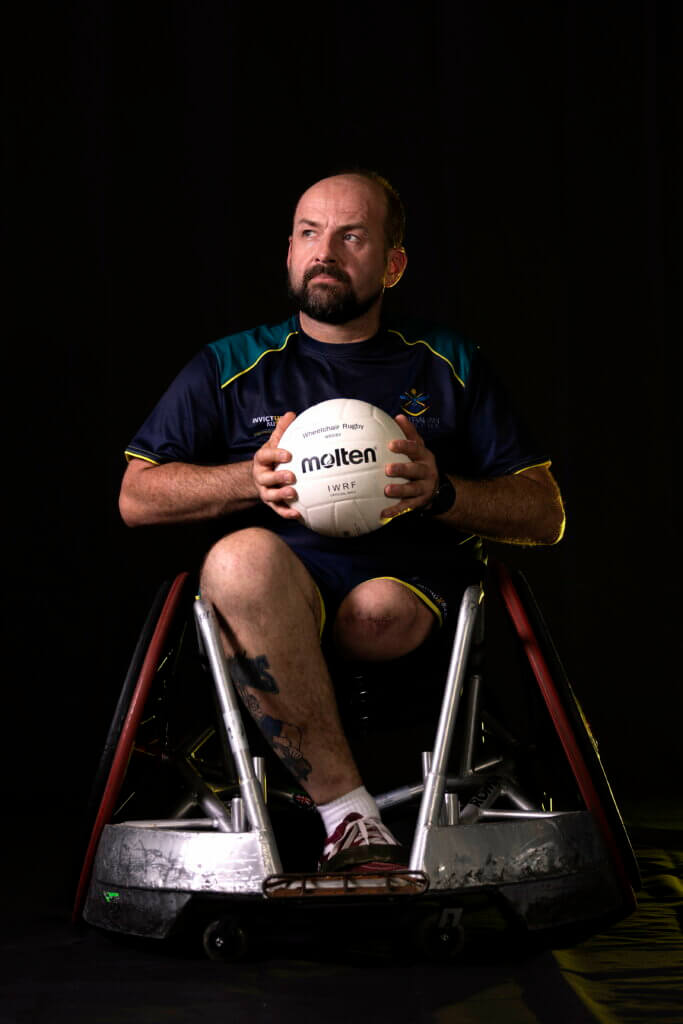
(361,844)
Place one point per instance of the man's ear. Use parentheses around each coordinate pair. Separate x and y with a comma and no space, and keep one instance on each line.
(397,261)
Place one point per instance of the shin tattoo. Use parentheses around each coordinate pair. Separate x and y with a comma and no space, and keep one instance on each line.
(284,737)
(252,672)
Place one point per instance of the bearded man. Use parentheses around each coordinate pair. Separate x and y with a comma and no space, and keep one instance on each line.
(278,588)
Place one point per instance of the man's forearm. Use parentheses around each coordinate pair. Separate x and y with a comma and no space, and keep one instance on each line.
(522,509)
(178,492)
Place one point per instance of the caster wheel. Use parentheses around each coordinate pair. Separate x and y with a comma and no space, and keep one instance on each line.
(225,940)
(439,939)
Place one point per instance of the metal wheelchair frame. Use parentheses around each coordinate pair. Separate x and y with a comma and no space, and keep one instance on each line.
(476,831)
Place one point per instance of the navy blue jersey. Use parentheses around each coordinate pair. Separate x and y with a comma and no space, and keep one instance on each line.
(222,407)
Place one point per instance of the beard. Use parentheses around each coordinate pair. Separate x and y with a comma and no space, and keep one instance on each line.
(330,303)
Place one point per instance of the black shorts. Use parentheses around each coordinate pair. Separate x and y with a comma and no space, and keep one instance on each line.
(439,585)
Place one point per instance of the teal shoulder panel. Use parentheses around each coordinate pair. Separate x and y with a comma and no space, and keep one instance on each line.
(444,343)
(238,353)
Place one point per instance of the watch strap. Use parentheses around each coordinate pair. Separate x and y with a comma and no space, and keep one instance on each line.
(443,500)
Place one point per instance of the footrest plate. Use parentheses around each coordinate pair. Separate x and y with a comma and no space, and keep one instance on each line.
(307,886)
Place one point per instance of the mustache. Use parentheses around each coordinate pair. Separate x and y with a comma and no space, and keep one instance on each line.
(335,272)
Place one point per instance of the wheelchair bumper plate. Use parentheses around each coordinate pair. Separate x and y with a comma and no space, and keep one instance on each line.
(550,872)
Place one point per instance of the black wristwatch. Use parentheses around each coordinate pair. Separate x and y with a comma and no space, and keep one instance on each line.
(443,500)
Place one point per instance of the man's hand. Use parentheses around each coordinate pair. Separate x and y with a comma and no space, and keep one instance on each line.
(421,472)
(274,485)
(517,508)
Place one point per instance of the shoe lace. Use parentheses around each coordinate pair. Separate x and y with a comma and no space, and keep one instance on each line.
(371,830)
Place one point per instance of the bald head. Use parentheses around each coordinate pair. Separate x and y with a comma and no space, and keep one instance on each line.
(393,213)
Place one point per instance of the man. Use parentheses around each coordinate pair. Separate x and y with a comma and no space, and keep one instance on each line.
(276,586)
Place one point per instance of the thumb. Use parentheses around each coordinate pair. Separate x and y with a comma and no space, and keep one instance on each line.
(407,427)
(280,427)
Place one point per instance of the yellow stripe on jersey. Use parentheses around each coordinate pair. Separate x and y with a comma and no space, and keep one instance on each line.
(143,458)
(257,361)
(536,465)
(421,341)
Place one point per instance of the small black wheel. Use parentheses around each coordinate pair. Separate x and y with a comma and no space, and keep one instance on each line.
(439,938)
(225,940)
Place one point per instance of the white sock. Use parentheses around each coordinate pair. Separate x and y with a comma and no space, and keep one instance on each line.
(358,801)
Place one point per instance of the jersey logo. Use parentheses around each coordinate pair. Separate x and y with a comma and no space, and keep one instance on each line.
(264,424)
(414,402)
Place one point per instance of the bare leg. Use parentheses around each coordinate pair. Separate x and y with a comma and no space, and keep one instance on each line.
(269,612)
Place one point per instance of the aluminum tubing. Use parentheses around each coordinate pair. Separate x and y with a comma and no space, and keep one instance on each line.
(435,781)
(250,787)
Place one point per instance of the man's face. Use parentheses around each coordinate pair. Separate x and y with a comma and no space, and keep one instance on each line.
(338,262)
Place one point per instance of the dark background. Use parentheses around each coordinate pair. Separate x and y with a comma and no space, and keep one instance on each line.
(153,155)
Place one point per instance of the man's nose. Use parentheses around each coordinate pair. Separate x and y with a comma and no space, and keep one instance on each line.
(327,252)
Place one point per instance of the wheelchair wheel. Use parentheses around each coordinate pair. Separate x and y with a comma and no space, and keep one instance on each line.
(124,701)
(440,938)
(226,940)
(115,757)
(570,724)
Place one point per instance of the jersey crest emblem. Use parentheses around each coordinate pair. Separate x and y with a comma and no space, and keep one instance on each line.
(414,402)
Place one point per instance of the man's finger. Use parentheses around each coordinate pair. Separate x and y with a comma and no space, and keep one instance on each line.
(270,479)
(279,495)
(267,455)
(408,470)
(280,427)
(407,427)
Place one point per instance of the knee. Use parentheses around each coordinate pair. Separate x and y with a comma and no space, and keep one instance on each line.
(379,620)
(248,562)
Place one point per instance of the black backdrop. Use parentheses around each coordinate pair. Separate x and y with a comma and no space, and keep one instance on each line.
(154,152)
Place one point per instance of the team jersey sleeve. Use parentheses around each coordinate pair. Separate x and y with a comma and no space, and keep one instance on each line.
(187,423)
(497,442)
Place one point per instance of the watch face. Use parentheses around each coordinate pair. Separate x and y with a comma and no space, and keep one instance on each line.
(444,499)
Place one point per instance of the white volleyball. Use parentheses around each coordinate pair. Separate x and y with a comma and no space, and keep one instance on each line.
(339,453)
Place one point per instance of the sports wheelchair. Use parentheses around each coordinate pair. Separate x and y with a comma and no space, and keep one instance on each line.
(498,794)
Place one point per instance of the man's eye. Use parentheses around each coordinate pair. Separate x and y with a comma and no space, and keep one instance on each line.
(308,232)
(351,237)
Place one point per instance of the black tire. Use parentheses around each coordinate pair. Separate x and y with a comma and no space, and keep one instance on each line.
(225,940)
(438,940)
(123,703)
(114,761)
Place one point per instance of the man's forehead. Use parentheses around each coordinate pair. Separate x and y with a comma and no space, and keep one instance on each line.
(346,197)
